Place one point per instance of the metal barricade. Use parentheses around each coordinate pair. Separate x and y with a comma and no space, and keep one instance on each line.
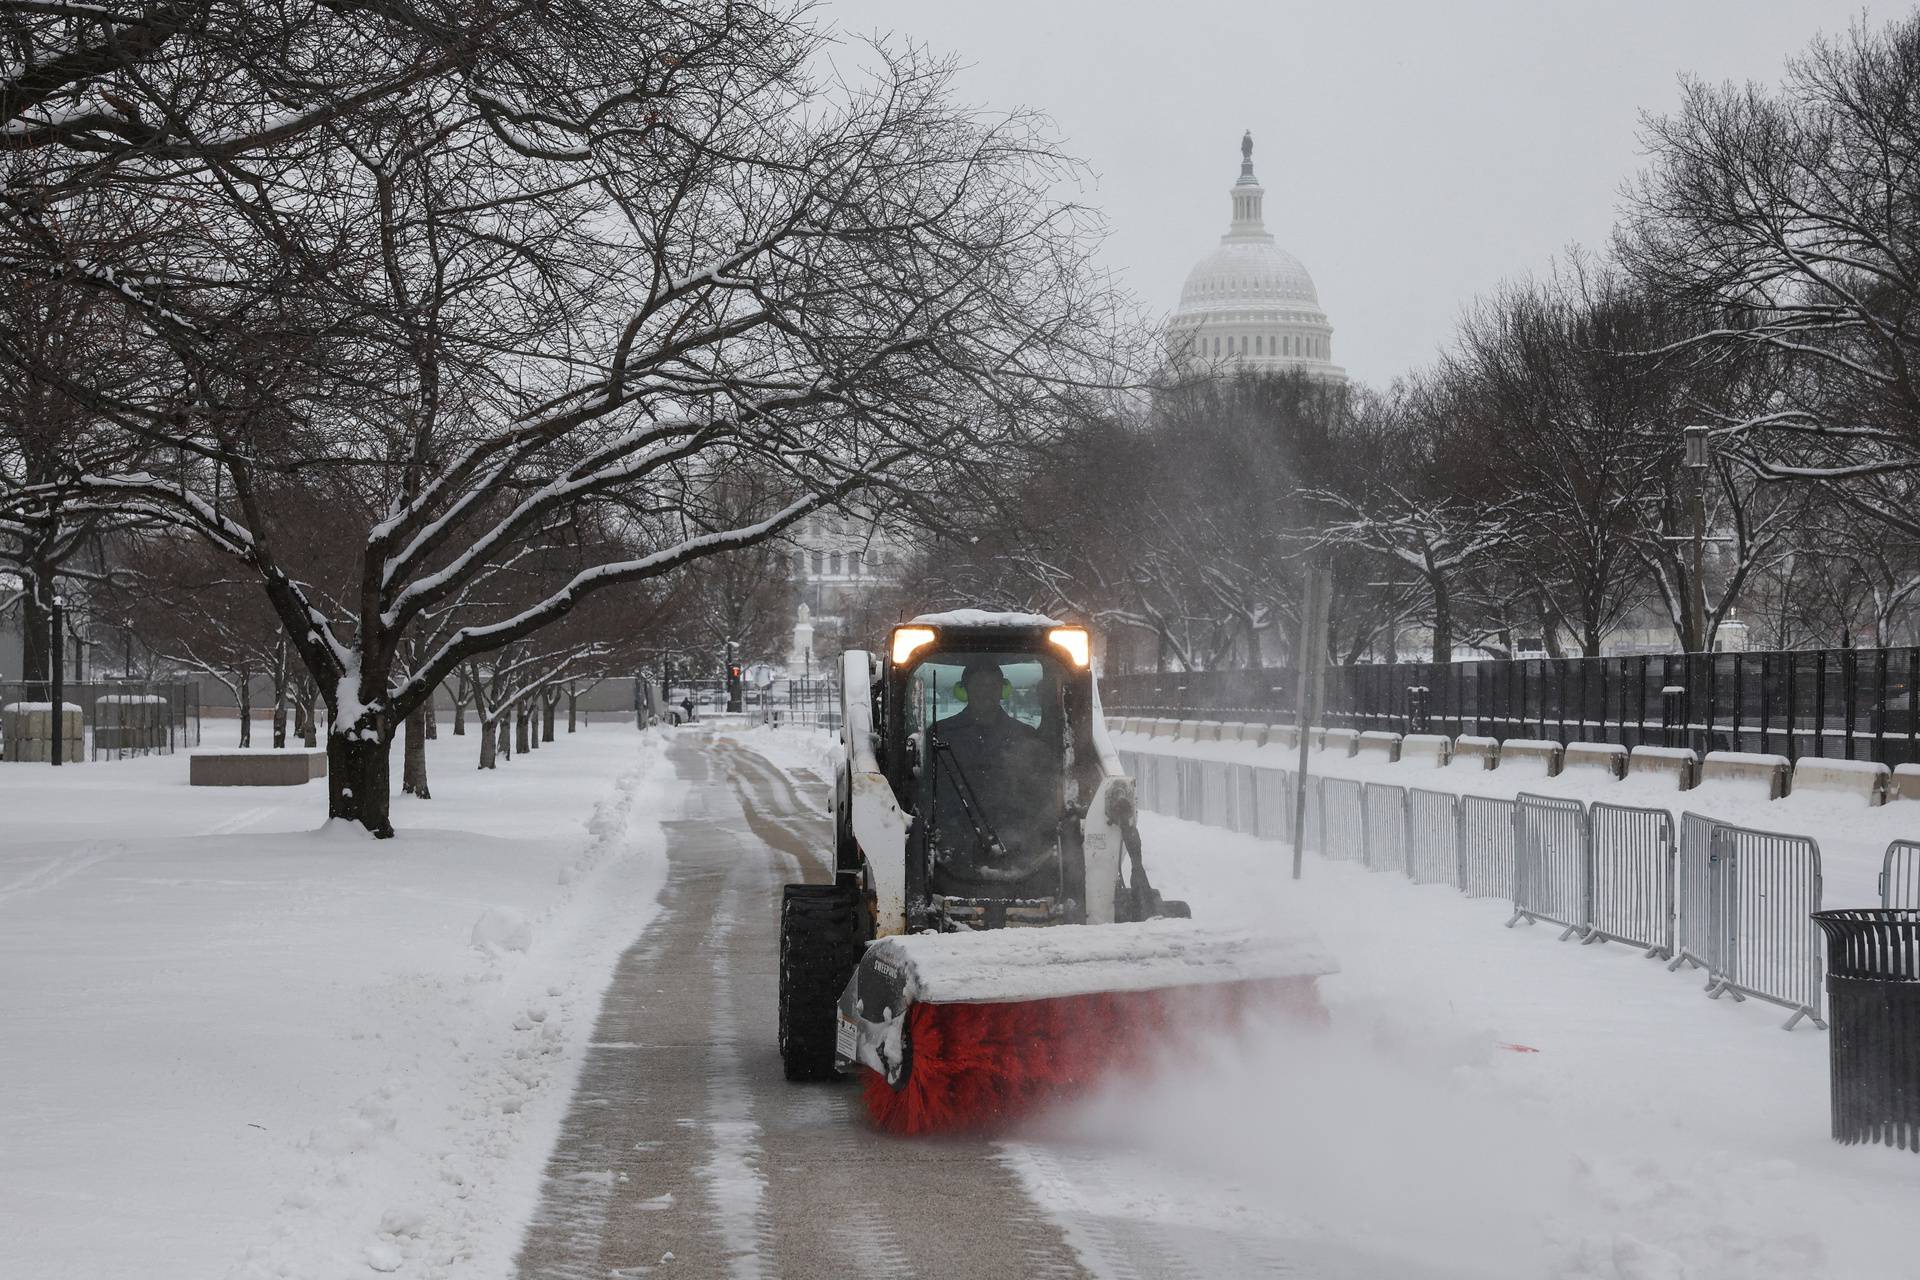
(1385,835)
(1189,805)
(1746,903)
(1486,847)
(1550,864)
(1433,837)
(1900,875)
(1693,927)
(1632,855)
(1215,802)
(1771,887)
(1273,804)
(1243,800)
(1343,820)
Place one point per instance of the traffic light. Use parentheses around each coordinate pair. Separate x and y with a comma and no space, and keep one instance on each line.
(734,689)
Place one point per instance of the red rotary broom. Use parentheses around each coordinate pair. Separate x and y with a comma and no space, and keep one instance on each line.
(961,1032)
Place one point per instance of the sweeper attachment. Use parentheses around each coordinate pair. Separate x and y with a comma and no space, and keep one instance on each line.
(991,940)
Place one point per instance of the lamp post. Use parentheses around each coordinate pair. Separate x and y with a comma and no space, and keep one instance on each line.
(58,716)
(1698,458)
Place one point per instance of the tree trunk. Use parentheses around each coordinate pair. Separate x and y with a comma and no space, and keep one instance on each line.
(459,719)
(1442,622)
(358,789)
(547,708)
(510,725)
(282,674)
(573,710)
(244,687)
(413,770)
(36,621)
(486,744)
(433,721)
(310,718)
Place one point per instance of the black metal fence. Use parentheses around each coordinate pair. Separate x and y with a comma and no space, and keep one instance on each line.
(98,720)
(1845,703)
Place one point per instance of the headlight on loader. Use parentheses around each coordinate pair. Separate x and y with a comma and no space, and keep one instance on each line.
(1073,641)
(906,640)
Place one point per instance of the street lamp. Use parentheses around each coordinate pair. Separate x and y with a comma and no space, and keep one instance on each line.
(1698,457)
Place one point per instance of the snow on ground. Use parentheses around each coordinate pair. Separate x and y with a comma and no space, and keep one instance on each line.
(1488,1102)
(243,1046)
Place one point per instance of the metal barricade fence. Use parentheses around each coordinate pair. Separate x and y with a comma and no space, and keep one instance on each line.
(1693,924)
(1215,802)
(1385,834)
(1486,847)
(1343,820)
(1550,871)
(1632,855)
(1188,789)
(1273,804)
(1433,837)
(1744,913)
(1770,888)
(1166,785)
(1243,801)
(1315,825)
(1900,875)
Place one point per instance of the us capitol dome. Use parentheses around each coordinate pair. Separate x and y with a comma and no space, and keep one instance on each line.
(1250,304)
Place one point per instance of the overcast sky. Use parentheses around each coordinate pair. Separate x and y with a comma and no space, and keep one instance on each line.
(1414,153)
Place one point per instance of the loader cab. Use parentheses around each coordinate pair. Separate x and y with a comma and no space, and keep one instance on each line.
(983,722)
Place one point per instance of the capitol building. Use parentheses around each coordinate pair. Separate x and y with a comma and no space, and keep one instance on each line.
(1250,304)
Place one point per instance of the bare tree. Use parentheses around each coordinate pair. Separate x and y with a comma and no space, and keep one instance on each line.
(529,289)
(1785,218)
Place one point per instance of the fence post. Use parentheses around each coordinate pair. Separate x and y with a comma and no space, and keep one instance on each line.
(1673,714)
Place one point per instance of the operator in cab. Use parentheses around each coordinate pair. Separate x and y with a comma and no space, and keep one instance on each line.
(994,776)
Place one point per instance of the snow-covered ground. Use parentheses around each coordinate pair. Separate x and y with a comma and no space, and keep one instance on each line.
(239,1045)
(1490,1102)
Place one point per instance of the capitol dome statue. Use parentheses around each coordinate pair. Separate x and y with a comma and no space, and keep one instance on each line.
(1250,304)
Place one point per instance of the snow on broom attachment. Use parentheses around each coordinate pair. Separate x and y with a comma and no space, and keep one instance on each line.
(973,1030)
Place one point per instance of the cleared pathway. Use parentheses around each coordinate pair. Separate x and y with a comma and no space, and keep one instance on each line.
(687,1153)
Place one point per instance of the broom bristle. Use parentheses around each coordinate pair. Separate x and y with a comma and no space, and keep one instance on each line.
(981,1067)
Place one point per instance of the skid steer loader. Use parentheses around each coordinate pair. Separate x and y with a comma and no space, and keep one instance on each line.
(990,936)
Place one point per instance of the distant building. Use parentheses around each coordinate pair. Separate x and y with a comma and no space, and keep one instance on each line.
(1250,304)
(839,558)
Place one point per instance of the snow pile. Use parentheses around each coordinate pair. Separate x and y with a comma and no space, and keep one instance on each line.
(503,929)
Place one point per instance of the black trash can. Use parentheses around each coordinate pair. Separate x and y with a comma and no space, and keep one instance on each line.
(1873,1000)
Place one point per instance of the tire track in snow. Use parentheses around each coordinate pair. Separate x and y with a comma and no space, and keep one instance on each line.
(59,869)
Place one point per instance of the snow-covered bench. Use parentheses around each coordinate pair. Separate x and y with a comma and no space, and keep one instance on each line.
(1433,749)
(1678,763)
(1339,741)
(260,767)
(1532,757)
(1589,758)
(1866,779)
(1378,744)
(1470,752)
(1764,776)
